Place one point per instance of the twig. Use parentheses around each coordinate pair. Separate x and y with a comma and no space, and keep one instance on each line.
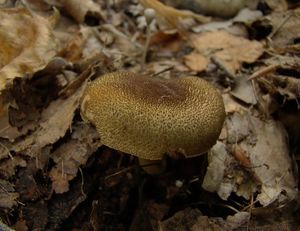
(263,71)
(82,182)
(274,32)
(145,51)
(119,172)
(8,151)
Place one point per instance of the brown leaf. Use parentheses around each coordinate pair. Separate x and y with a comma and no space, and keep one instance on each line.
(171,16)
(36,215)
(147,216)
(188,219)
(32,47)
(21,225)
(243,90)
(55,121)
(71,155)
(228,49)
(261,163)
(217,8)
(60,180)
(40,5)
(286,27)
(79,9)
(6,131)
(277,5)
(7,167)
(196,61)
(8,195)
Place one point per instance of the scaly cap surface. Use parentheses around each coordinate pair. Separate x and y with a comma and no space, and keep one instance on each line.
(149,117)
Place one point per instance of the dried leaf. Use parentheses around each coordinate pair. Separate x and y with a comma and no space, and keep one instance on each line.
(8,196)
(7,167)
(171,16)
(188,219)
(6,130)
(40,5)
(243,90)
(21,225)
(55,121)
(36,215)
(230,50)
(147,215)
(196,62)
(278,78)
(167,68)
(286,27)
(23,101)
(277,5)
(60,180)
(262,154)
(79,10)
(245,17)
(71,155)
(218,8)
(32,47)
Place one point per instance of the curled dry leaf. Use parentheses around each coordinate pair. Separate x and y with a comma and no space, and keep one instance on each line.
(286,28)
(71,155)
(8,195)
(22,102)
(6,131)
(7,166)
(27,43)
(40,5)
(55,121)
(285,86)
(166,68)
(170,16)
(277,5)
(79,9)
(228,50)
(279,79)
(259,160)
(218,8)
(244,90)
(245,17)
(192,219)
(182,220)
(196,62)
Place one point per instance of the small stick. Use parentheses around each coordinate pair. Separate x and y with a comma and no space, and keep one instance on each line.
(263,71)
(149,15)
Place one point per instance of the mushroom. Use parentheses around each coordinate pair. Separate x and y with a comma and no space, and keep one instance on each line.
(149,117)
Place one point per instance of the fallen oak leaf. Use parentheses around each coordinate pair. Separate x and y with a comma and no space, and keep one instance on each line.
(55,121)
(171,16)
(8,166)
(80,10)
(8,196)
(260,164)
(71,155)
(196,62)
(27,43)
(231,51)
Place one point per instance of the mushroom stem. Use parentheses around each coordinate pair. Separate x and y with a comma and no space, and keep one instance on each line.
(149,15)
(153,167)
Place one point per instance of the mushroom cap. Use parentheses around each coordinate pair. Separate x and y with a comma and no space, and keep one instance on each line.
(149,117)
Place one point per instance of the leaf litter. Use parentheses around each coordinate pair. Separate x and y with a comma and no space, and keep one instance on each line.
(52,164)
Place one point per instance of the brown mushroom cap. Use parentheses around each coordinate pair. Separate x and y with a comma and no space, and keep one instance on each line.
(149,117)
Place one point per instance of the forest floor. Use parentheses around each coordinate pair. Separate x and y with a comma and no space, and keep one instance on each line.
(55,174)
